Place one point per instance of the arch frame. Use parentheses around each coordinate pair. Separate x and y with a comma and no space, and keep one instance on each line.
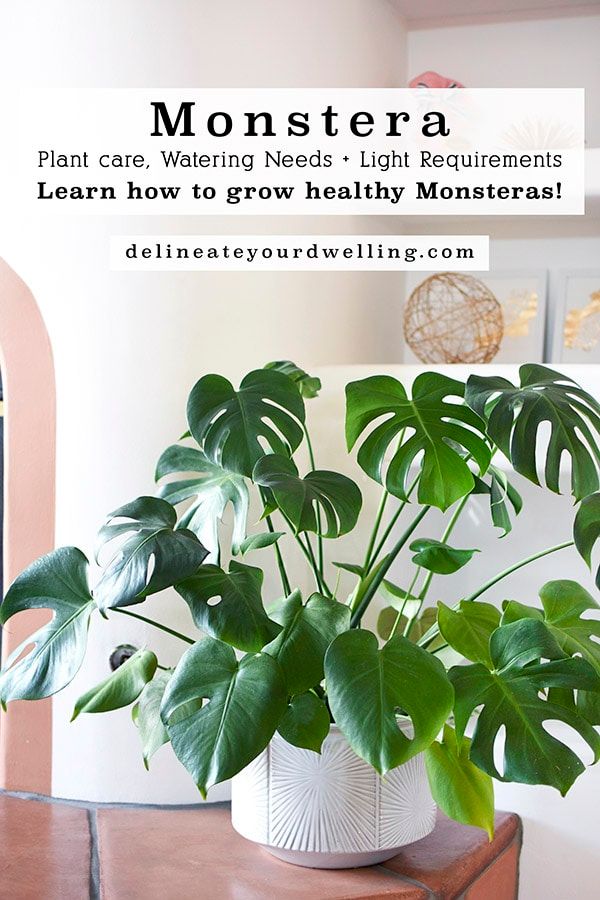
(29,512)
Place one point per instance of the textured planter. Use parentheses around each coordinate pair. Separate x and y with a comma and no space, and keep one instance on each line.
(330,810)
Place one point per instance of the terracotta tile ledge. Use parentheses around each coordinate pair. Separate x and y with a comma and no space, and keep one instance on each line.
(66,850)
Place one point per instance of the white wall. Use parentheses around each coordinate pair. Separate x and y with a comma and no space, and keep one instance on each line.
(558,52)
(128,347)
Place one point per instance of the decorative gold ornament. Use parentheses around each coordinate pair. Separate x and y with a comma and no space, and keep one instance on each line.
(582,326)
(520,308)
(452,317)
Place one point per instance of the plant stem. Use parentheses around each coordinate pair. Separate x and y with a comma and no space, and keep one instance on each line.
(372,589)
(404,602)
(373,538)
(515,566)
(391,523)
(449,529)
(313,466)
(285,582)
(315,568)
(171,631)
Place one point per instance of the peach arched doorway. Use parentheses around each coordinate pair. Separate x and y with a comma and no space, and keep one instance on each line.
(29,442)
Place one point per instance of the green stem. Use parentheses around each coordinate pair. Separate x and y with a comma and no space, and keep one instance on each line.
(449,529)
(515,566)
(313,466)
(171,631)
(285,582)
(311,559)
(404,602)
(382,571)
(373,538)
(391,523)
(315,568)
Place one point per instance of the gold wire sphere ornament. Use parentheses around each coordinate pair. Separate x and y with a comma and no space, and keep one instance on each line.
(453,318)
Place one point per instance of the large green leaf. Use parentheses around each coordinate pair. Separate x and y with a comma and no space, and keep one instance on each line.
(337,496)
(502,494)
(512,695)
(564,604)
(246,701)
(437,428)
(469,628)
(152,556)
(366,688)
(586,529)
(122,686)
(438,557)
(59,582)
(460,788)
(236,614)
(211,488)
(146,715)
(305,722)
(308,385)
(515,414)
(308,630)
(230,425)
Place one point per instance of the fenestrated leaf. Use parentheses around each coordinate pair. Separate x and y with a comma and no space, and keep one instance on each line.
(510,695)
(308,629)
(437,428)
(59,582)
(514,415)
(238,617)
(259,541)
(469,629)
(337,496)
(122,686)
(246,701)
(230,425)
(152,557)
(305,723)
(502,494)
(438,557)
(367,686)
(308,385)
(211,488)
(586,529)
(460,788)
(146,715)
(564,603)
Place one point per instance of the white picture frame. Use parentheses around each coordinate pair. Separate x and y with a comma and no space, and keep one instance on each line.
(576,332)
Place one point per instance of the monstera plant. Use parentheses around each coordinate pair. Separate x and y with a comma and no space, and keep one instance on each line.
(295,664)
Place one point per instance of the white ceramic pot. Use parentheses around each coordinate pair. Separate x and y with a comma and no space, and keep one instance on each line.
(330,810)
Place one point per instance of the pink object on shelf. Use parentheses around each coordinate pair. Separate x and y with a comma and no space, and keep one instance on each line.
(433,80)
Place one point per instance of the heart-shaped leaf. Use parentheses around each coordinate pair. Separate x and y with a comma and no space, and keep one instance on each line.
(211,488)
(511,696)
(366,688)
(246,701)
(308,385)
(564,603)
(460,789)
(305,722)
(146,715)
(469,629)
(59,582)
(502,494)
(435,556)
(338,497)
(259,541)
(122,686)
(236,614)
(230,424)
(514,415)
(152,557)
(308,630)
(437,428)
(586,529)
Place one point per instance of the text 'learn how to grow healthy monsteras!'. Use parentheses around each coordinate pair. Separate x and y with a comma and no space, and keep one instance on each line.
(294,663)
